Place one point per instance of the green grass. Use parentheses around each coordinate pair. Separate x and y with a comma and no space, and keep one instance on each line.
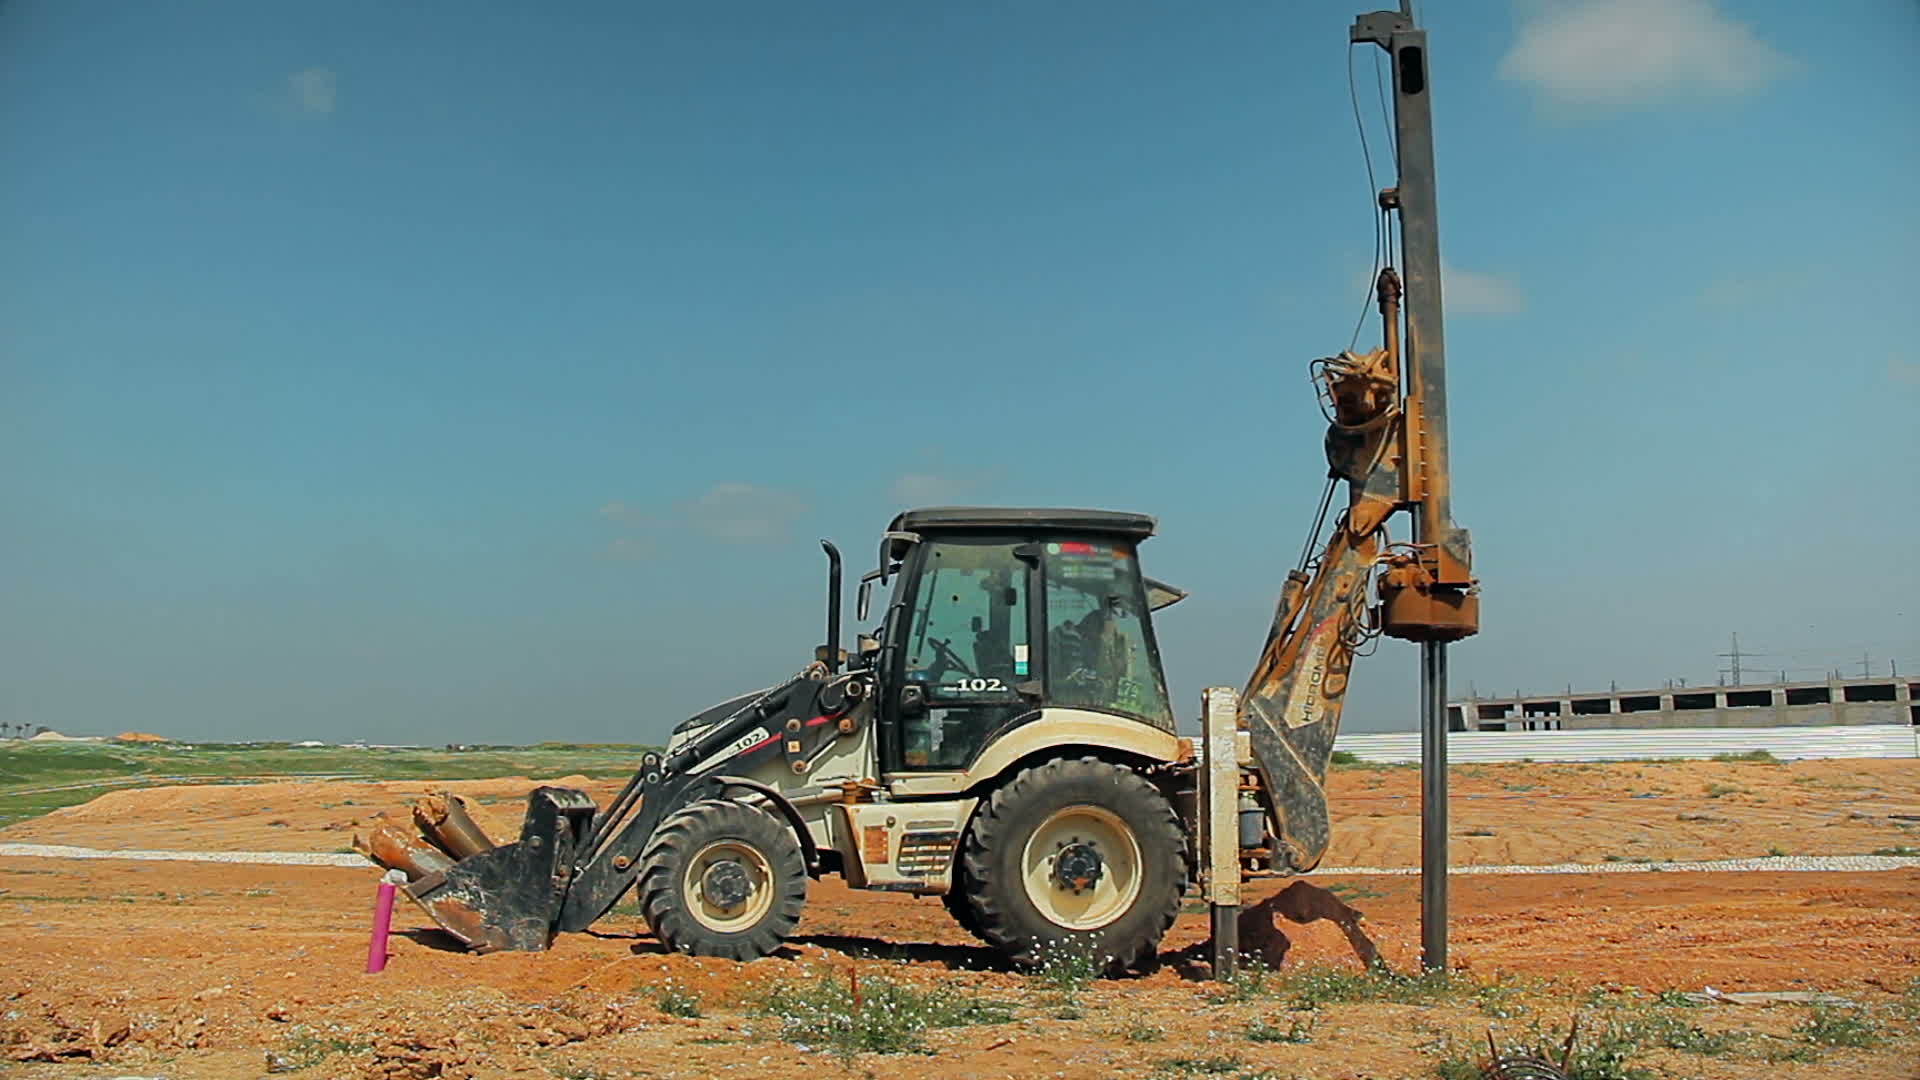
(1715,791)
(1298,1029)
(1749,755)
(675,1000)
(1901,849)
(1068,966)
(1501,1001)
(1211,1065)
(1313,988)
(889,1016)
(304,1049)
(81,772)
(1345,757)
(1831,1027)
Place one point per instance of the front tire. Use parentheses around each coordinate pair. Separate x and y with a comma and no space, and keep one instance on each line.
(1081,850)
(960,905)
(723,879)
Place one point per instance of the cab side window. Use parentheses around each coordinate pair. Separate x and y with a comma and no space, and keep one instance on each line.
(1099,655)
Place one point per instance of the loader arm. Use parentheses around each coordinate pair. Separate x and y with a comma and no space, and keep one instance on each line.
(1357,586)
(574,861)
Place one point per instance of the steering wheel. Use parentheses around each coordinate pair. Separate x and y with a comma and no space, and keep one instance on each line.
(949,658)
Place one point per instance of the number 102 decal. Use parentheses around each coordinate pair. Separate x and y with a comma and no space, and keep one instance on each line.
(977,686)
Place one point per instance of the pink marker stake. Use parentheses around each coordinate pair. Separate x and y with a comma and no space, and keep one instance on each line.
(382,922)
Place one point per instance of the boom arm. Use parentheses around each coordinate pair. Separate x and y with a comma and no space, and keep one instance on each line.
(1292,704)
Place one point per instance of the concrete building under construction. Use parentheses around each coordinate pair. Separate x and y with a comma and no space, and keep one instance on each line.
(1789,704)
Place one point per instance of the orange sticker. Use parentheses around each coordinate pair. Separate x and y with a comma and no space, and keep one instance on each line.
(875,848)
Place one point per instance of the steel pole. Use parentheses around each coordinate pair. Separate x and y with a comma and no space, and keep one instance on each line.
(1433,805)
(1417,200)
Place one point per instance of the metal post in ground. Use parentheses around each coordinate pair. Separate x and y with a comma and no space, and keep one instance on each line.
(1433,805)
(1448,554)
(1220,823)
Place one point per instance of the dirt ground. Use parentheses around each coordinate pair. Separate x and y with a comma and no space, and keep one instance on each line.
(232,972)
(1502,814)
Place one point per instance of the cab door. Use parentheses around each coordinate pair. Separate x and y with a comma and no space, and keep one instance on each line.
(964,653)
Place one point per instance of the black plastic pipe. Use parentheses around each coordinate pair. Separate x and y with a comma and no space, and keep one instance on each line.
(833,606)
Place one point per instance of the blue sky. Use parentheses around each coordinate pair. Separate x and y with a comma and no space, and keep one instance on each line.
(465,372)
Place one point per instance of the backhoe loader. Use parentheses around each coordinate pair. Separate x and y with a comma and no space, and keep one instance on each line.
(1002,738)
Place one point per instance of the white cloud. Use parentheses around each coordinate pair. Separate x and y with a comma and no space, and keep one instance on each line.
(1628,52)
(744,513)
(616,510)
(630,548)
(737,513)
(315,90)
(1753,288)
(1469,292)
(936,486)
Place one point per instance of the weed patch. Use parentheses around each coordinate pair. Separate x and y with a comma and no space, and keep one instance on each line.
(1070,965)
(1347,890)
(1298,1029)
(1831,1027)
(676,1000)
(304,1049)
(1212,1065)
(850,1014)
(1315,987)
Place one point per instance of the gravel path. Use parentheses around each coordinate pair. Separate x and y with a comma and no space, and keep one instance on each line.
(1824,863)
(279,858)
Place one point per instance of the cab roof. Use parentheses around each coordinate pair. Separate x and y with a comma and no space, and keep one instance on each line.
(1023,519)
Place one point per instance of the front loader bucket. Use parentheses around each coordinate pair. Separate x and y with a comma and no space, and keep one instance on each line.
(507,897)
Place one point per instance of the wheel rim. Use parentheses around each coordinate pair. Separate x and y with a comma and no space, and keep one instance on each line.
(1063,842)
(713,912)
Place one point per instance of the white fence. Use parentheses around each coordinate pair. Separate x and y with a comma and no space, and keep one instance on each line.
(1786,743)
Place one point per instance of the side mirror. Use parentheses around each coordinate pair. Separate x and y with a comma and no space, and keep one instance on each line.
(913,701)
(862,605)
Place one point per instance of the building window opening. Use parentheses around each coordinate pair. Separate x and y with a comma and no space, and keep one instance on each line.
(1875,692)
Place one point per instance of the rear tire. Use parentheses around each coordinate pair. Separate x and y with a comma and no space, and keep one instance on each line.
(1081,850)
(722,879)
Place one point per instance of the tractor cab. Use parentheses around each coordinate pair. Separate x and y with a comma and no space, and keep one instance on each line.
(998,613)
